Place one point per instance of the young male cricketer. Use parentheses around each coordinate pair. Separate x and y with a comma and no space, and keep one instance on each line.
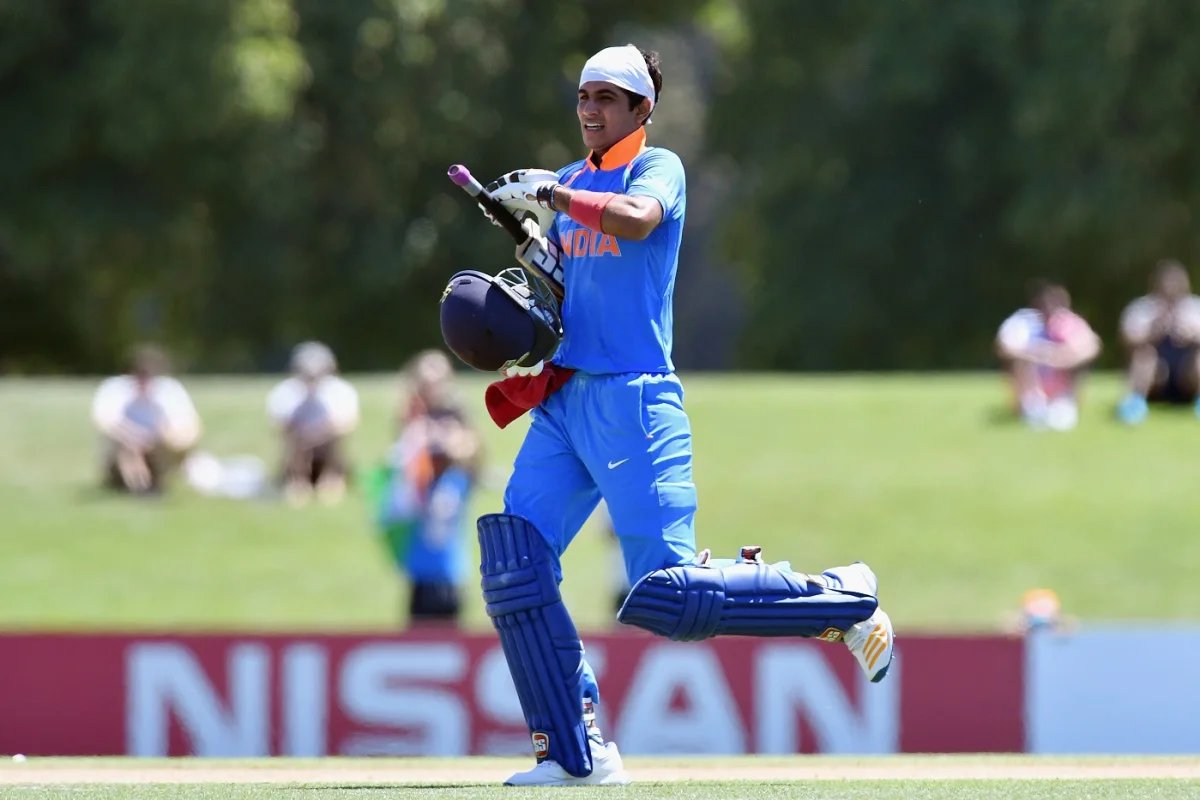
(616,428)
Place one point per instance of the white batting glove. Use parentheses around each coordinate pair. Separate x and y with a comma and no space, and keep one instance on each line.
(527,192)
(531,372)
(541,256)
(525,189)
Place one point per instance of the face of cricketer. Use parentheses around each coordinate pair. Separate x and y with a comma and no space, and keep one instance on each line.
(605,117)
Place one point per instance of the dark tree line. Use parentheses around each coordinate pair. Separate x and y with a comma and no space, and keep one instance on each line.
(879,179)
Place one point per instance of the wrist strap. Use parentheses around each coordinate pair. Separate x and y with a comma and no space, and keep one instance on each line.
(587,208)
(545,194)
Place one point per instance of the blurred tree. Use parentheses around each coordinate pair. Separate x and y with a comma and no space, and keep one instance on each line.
(129,128)
(401,90)
(232,176)
(908,166)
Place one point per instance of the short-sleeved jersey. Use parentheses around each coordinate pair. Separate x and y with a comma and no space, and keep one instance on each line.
(617,307)
(1027,325)
(1139,317)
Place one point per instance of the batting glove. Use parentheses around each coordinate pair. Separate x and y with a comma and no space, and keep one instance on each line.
(525,189)
(531,372)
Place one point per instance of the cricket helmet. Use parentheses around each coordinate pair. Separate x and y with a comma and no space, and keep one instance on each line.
(495,322)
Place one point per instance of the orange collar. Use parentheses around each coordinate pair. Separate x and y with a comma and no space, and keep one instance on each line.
(622,152)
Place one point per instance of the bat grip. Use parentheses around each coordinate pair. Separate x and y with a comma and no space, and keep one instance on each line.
(461,177)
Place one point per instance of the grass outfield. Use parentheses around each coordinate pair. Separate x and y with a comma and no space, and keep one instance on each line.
(958,511)
(743,778)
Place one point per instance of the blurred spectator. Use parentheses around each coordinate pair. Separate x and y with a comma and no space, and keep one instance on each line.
(314,410)
(1045,346)
(1041,610)
(424,490)
(1162,333)
(148,423)
(240,477)
(430,389)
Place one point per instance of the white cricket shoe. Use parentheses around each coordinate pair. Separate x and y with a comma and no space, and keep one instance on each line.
(607,770)
(872,639)
(871,642)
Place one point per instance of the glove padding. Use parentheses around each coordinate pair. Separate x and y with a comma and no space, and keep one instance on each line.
(525,192)
(542,257)
(531,372)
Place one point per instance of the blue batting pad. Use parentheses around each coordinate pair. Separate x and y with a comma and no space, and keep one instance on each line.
(539,639)
(689,603)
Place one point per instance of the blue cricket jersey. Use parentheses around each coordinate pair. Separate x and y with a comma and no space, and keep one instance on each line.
(617,307)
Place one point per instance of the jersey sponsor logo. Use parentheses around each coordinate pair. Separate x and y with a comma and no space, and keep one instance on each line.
(830,635)
(615,464)
(582,242)
(541,744)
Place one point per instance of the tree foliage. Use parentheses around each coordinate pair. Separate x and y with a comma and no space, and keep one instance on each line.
(235,175)
(231,176)
(914,164)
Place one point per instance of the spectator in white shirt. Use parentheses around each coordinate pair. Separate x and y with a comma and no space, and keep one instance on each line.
(1161,331)
(148,423)
(1045,346)
(314,410)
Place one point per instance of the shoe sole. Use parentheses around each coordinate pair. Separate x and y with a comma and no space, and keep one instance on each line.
(616,779)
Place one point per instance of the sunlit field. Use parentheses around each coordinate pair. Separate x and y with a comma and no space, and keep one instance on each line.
(737,778)
(957,508)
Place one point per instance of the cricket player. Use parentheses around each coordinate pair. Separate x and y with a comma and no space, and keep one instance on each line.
(611,424)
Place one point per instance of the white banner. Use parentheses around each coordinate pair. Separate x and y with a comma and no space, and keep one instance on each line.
(1132,689)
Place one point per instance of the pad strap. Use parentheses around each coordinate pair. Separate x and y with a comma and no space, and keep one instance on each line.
(743,599)
(540,643)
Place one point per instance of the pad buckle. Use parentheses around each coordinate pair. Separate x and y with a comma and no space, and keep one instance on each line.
(751,553)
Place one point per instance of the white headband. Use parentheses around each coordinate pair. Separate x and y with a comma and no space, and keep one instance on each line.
(621,66)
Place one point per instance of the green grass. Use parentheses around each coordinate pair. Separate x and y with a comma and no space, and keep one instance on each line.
(721,790)
(958,511)
(910,777)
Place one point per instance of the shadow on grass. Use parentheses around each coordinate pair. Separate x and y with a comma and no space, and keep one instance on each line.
(1003,416)
(94,494)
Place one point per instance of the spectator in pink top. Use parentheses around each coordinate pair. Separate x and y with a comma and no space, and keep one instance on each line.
(1044,348)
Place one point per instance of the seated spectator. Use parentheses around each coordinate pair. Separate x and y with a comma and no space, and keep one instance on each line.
(1045,347)
(148,423)
(314,410)
(426,489)
(1161,331)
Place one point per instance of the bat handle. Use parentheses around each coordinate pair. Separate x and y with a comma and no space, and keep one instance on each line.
(462,177)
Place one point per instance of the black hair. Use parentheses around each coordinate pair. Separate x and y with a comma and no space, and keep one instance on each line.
(654,66)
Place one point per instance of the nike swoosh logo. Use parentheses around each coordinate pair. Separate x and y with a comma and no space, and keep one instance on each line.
(615,464)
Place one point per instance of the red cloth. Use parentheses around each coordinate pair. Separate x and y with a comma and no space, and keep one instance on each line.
(508,399)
